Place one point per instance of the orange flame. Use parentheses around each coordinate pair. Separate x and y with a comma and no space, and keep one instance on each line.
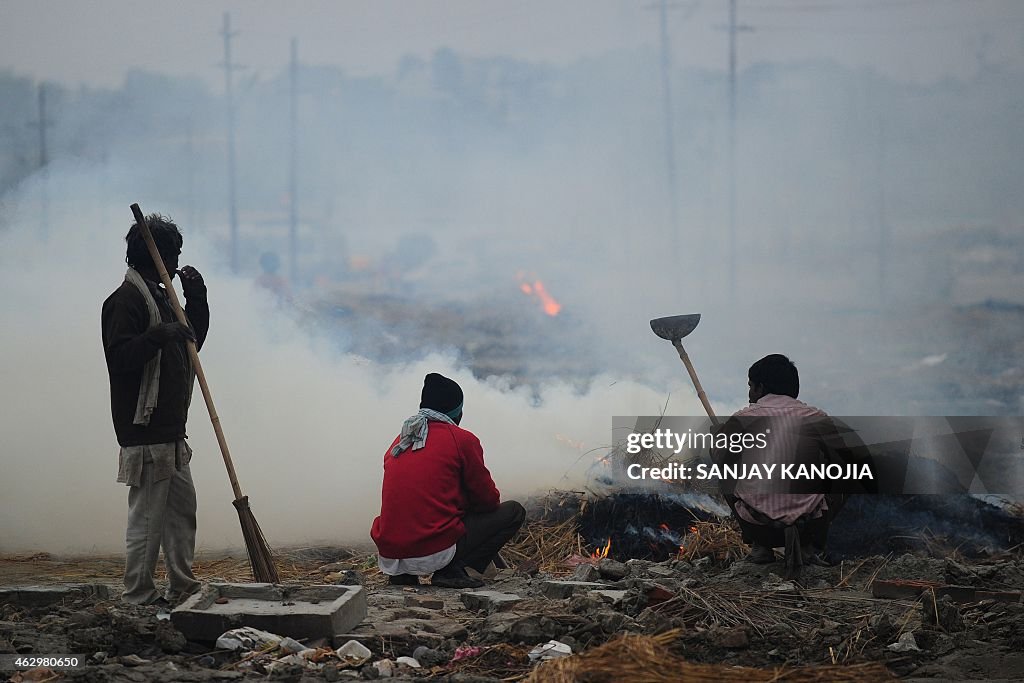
(551,307)
(602,553)
(695,532)
(537,289)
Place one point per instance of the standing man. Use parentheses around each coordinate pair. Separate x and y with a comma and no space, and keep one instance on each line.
(440,510)
(151,379)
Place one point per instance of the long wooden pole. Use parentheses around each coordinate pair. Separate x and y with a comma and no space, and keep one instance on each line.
(193,353)
(696,382)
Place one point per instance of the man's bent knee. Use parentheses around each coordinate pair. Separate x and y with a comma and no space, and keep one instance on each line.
(516,512)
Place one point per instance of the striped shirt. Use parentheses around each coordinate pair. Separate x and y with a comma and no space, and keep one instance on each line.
(782,449)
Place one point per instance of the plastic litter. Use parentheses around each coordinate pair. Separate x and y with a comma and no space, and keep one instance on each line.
(552,649)
(408,661)
(906,643)
(291,646)
(247,638)
(464,651)
(353,653)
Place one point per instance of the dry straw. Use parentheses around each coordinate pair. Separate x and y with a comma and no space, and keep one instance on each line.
(648,659)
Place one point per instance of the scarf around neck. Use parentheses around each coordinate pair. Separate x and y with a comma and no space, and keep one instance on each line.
(149,387)
(415,429)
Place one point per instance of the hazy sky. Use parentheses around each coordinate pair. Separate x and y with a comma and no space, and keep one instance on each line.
(96,42)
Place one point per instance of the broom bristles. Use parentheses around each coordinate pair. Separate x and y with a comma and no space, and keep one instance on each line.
(261,558)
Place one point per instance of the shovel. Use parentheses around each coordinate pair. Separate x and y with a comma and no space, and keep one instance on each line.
(674,328)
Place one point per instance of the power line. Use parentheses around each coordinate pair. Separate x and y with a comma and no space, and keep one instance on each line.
(819,6)
(851,5)
(1009,24)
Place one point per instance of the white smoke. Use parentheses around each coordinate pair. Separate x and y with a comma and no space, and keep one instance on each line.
(307,426)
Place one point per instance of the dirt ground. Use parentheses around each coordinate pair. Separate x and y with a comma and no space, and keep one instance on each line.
(713,614)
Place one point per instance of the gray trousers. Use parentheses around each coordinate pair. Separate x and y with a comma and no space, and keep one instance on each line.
(160,513)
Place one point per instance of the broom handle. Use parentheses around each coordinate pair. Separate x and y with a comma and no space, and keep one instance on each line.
(696,382)
(192,352)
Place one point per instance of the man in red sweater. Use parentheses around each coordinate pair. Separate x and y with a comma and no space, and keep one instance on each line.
(440,510)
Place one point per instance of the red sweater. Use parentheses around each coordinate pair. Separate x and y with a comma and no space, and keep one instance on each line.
(427,492)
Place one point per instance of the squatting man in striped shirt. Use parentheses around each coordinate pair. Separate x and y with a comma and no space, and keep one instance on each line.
(774,514)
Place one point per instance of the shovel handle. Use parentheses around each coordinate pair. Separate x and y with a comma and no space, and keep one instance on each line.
(696,382)
(193,353)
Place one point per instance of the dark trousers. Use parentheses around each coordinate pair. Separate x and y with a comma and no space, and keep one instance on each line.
(486,533)
(812,531)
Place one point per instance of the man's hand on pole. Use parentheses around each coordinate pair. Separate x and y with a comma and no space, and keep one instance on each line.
(166,333)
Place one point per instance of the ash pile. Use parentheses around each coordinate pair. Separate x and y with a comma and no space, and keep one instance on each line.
(613,587)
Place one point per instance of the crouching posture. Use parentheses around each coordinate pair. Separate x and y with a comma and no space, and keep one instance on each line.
(440,510)
(771,516)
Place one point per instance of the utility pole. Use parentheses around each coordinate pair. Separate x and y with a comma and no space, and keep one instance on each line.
(229,98)
(42,123)
(675,260)
(733,29)
(190,171)
(293,164)
(670,145)
(882,219)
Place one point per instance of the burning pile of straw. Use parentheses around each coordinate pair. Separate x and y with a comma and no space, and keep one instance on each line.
(541,545)
(720,540)
(554,539)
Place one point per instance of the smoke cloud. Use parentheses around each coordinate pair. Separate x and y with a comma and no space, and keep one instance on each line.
(876,243)
(307,424)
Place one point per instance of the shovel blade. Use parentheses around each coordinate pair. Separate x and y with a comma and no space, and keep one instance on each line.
(675,326)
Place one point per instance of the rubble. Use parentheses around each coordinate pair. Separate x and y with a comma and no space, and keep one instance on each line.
(559,590)
(700,617)
(612,569)
(41,596)
(586,572)
(489,601)
(423,602)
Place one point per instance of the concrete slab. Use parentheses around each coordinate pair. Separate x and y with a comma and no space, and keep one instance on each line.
(42,596)
(558,590)
(286,610)
(660,572)
(612,596)
(423,602)
(489,601)
(585,572)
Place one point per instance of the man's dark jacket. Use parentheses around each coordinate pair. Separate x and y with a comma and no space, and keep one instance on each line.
(128,347)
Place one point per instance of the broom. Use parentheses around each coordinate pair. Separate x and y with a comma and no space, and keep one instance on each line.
(261,559)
